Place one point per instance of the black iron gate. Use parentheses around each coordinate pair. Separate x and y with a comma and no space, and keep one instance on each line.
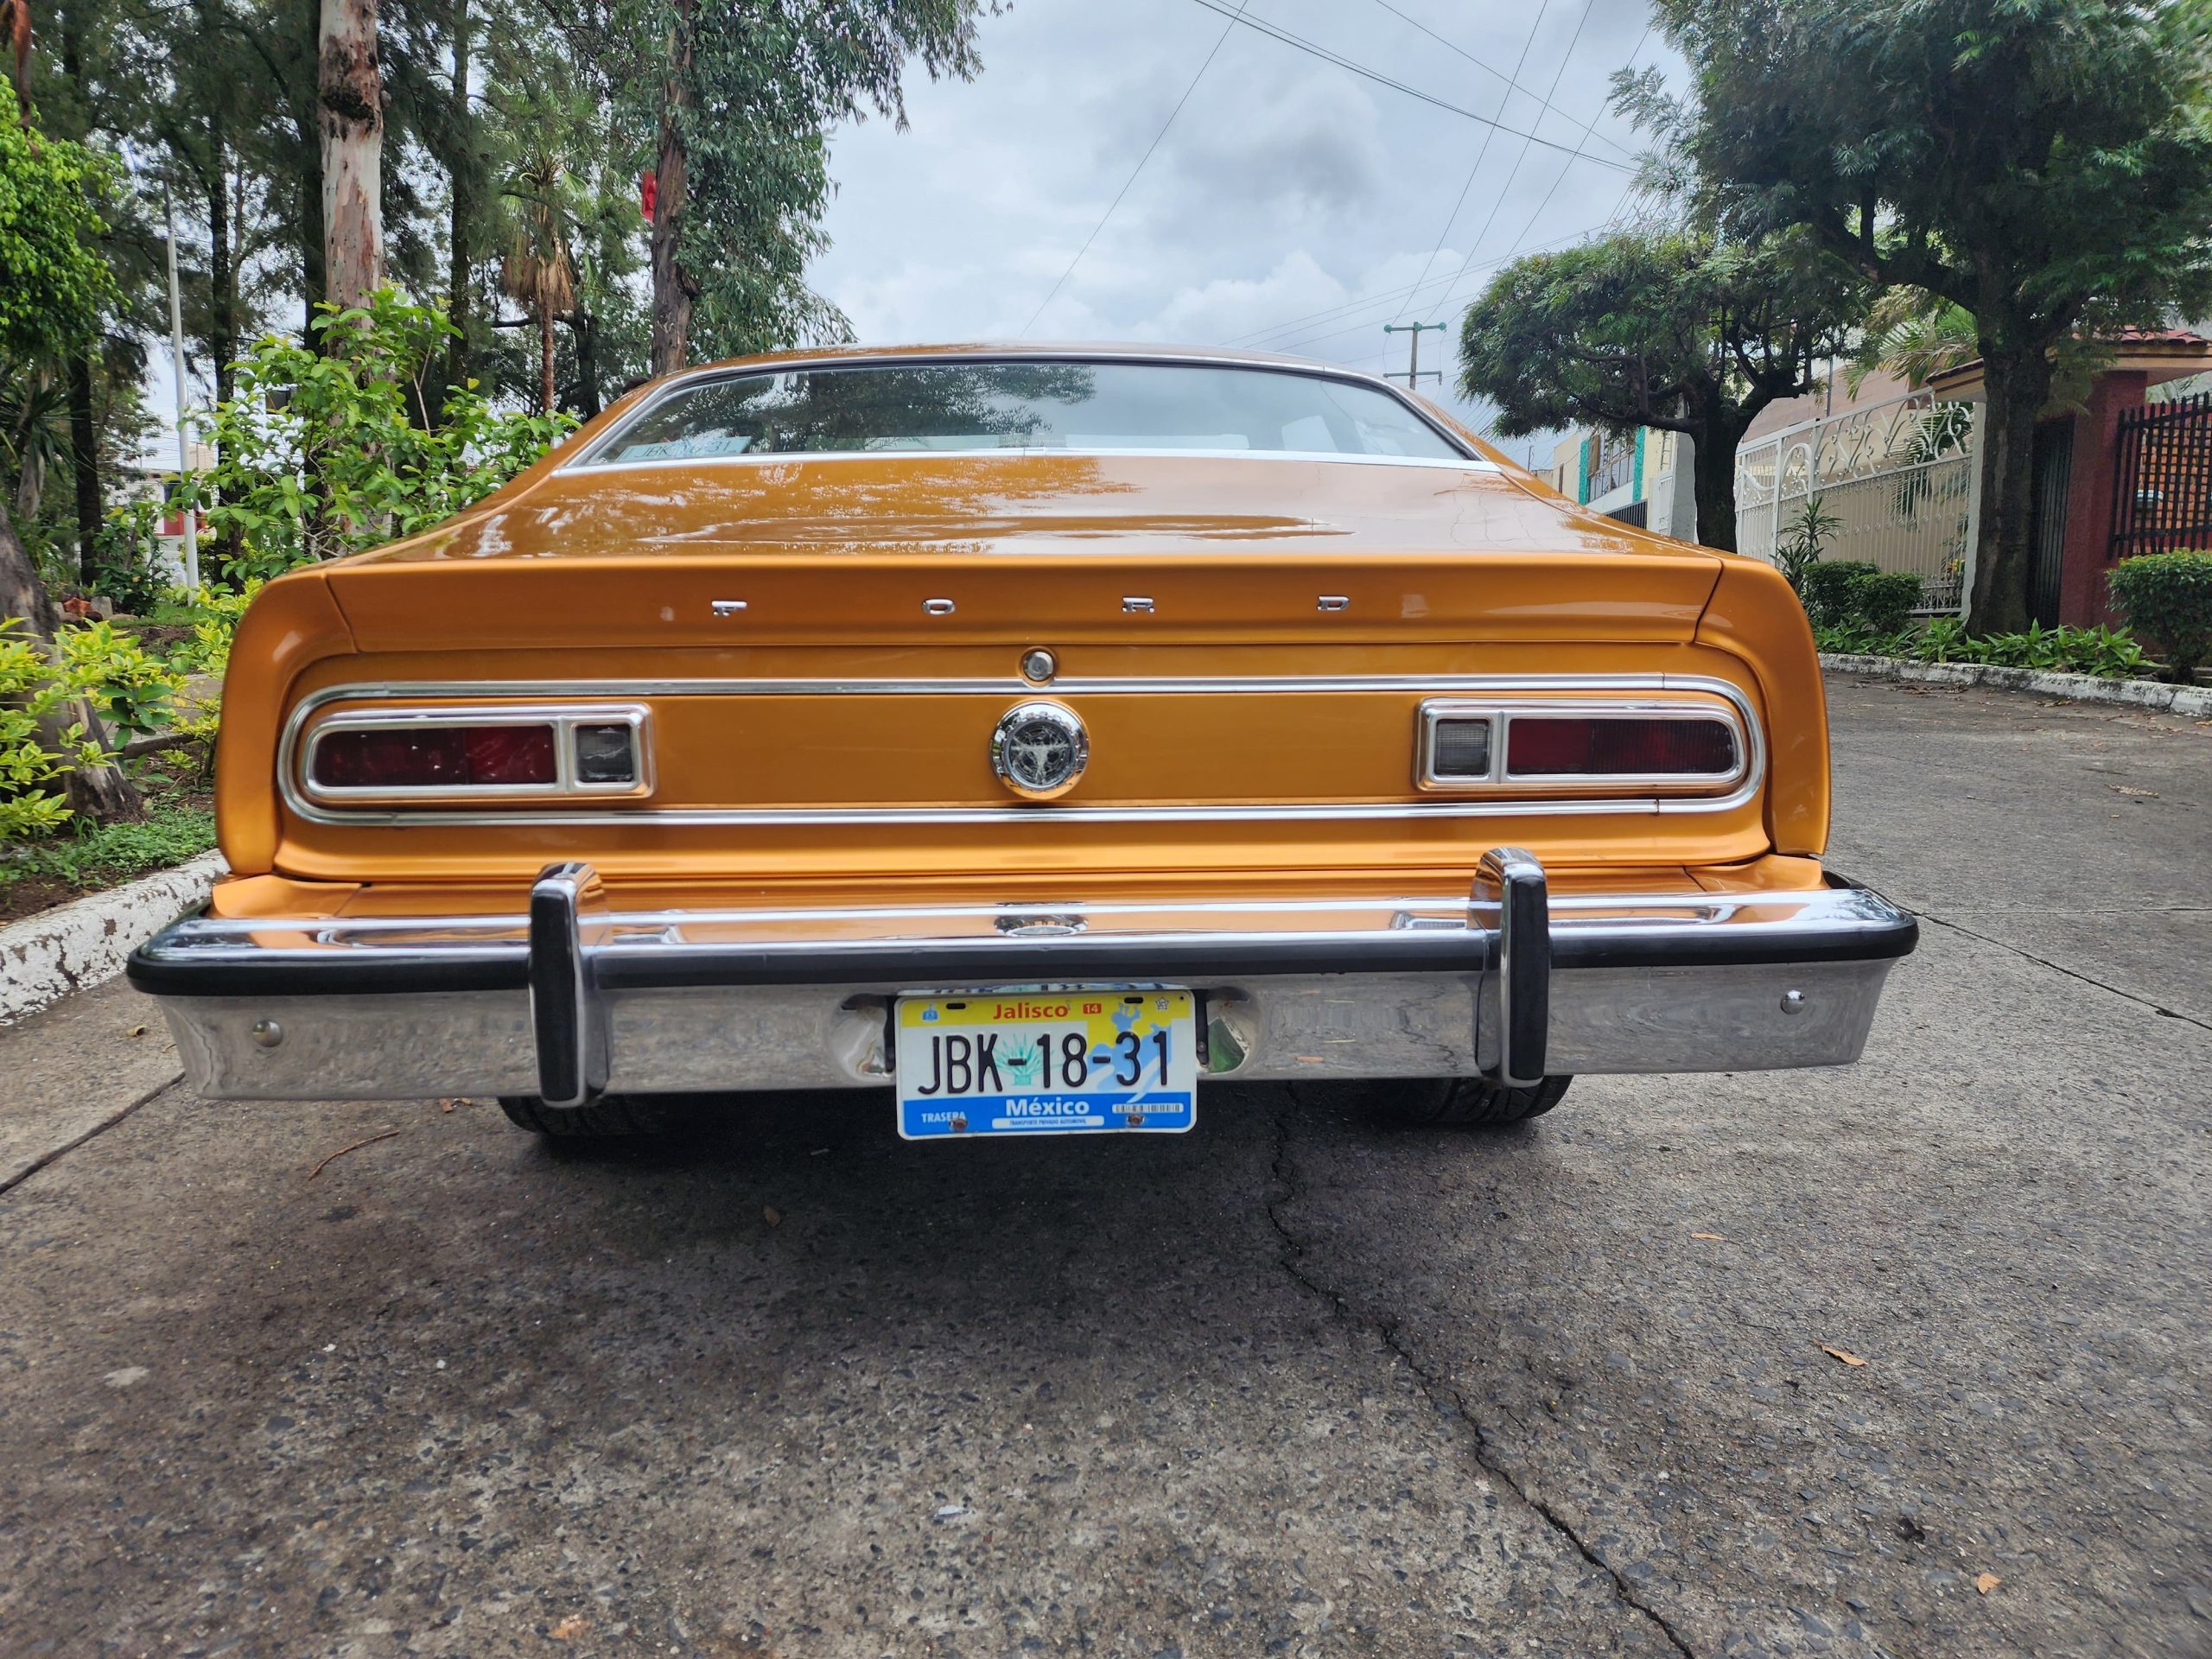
(2162,478)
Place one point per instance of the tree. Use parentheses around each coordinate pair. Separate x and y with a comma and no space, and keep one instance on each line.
(2045,164)
(349,87)
(734,101)
(537,270)
(1676,329)
(54,290)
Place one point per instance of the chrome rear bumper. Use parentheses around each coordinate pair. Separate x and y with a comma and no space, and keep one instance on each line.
(575,998)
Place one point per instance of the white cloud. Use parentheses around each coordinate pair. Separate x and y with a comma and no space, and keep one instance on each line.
(1286,187)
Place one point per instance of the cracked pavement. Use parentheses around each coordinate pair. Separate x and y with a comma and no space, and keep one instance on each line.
(1289,1384)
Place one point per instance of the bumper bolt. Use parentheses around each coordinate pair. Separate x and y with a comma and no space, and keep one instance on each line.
(268,1033)
(1793,1003)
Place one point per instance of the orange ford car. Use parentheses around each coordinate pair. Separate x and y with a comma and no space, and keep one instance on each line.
(1035,736)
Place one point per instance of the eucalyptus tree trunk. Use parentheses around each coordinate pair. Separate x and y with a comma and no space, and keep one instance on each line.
(461,226)
(673,287)
(350,88)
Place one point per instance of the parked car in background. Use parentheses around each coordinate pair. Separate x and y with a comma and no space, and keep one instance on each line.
(1039,735)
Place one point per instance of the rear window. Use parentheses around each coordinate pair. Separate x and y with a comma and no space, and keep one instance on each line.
(1091,407)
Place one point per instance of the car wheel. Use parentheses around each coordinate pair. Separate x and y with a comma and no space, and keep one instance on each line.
(610,1114)
(1468,1103)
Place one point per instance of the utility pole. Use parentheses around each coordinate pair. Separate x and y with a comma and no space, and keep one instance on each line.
(1414,372)
(188,513)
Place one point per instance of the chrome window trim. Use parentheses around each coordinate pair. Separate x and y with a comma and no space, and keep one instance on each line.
(562,717)
(1517,685)
(1501,713)
(587,459)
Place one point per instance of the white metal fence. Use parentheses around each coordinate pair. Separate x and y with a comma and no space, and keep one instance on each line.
(1897,478)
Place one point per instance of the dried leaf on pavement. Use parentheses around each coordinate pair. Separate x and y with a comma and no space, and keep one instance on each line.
(1714,1238)
(1986,1582)
(772,1216)
(569,1628)
(1847,1357)
(2123,789)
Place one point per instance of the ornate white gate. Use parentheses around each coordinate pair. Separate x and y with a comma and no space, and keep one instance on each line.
(1897,478)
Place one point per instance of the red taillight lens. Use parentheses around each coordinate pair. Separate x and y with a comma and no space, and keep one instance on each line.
(437,757)
(1547,747)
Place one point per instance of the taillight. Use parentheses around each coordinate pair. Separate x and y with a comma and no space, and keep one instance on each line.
(431,756)
(437,757)
(1535,747)
(1548,745)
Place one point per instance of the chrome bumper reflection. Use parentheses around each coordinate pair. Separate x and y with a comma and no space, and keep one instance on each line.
(573,997)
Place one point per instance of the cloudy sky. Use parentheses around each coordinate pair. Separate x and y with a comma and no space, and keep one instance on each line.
(1292,204)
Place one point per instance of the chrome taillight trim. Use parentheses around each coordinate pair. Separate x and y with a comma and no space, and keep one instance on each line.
(1726,710)
(302,740)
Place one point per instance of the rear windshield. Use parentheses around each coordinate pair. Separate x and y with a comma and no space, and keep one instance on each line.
(1035,405)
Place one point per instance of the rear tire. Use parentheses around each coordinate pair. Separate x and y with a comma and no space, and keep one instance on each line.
(607,1116)
(1457,1103)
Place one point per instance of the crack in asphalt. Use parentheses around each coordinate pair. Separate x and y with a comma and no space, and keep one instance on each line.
(1433,1383)
(44,1160)
(2070,973)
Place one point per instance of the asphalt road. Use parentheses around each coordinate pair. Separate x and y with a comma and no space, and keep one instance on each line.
(1284,1385)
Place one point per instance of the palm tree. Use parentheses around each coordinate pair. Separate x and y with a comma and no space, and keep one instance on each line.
(535,270)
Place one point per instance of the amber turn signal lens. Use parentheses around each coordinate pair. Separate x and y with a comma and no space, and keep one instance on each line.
(1544,745)
(437,757)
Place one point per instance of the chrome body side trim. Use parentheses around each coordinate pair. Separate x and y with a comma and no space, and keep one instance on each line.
(402,1008)
(1520,687)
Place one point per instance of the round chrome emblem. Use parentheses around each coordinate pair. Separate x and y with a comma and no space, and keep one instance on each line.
(1039,749)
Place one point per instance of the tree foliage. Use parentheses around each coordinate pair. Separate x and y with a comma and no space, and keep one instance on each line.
(2044,164)
(1677,329)
(53,286)
(330,449)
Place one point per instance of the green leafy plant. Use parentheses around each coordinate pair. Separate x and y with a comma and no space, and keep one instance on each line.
(2169,596)
(125,566)
(1804,541)
(37,752)
(330,450)
(133,690)
(2109,654)
(1883,599)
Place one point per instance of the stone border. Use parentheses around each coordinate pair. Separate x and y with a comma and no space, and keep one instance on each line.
(79,945)
(2192,701)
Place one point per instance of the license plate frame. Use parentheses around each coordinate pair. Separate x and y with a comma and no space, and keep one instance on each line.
(1036,1094)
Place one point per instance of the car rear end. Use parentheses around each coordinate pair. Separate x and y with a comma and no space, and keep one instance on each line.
(710,778)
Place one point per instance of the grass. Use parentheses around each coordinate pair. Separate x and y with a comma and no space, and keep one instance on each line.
(53,872)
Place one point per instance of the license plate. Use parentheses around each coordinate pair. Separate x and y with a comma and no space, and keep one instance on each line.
(1047,1063)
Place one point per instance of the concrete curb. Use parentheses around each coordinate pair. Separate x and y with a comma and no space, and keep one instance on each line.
(79,945)
(2195,702)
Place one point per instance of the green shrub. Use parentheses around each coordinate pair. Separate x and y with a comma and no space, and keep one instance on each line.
(1826,589)
(1883,599)
(124,557)
(2169,596)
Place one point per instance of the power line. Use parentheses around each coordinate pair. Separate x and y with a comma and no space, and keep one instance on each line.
(1380,296)
(1489,133)
(1138,168)
(1561,176)
(1356,324)
(1382,79)
(1514,172)
(1511,82)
